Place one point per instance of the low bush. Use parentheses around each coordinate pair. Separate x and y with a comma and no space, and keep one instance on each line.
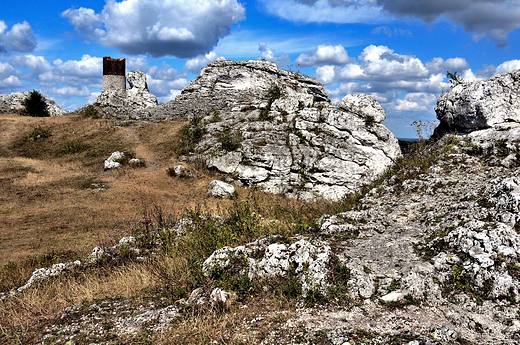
(91,113)
(37,134)
(229,141)
(189,136)
(71,147)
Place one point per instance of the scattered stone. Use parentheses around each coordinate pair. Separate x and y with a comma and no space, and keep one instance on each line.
(393,297)
(221,189)
(220,297)
(100,253)
(180,171)
(113,162)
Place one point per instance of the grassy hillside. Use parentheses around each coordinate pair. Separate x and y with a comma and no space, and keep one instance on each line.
(57,203)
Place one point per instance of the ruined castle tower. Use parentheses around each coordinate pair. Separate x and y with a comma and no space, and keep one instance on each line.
(114,71)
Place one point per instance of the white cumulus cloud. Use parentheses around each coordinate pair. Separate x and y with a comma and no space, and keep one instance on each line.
(268,54)
(35,64)
(197,63)
(19,39)
(184,29)
(324,55)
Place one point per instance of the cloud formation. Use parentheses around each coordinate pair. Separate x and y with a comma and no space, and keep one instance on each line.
(495,18)
(324,55)
(184,29)
(333,11)
(19,39)
(268,54)
(197,63)
(492,18)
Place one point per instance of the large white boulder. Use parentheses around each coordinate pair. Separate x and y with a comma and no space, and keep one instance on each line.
(481,104)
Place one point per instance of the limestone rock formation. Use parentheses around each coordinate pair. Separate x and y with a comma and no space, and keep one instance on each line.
(429,256)
(14,102)
(126,104)
(481,104)
(310,261)
(278,129)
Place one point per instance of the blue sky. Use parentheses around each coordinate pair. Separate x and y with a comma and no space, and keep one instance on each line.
(398,51)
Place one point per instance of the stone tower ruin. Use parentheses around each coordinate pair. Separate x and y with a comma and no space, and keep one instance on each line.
(114,71)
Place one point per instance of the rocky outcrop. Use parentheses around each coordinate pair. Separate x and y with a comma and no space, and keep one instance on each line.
(481,104)
(432,259)
(14,102)
(132,103)
(308,262)
(42,274)
(278,129)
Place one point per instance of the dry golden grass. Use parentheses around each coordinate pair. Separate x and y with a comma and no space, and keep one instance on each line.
(47,202)
(50,212)
(233,327)
(23,312)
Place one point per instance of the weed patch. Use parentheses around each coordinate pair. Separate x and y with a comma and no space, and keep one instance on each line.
(71,147)
(230,141)
(38,133)
(190,135)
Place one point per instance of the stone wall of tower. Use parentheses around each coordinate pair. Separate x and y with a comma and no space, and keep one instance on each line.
(114,71)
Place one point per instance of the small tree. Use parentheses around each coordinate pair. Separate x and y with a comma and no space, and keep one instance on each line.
(454,78)
(35,105)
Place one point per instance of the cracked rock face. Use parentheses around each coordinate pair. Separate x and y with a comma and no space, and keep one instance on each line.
(285,134)
(264,259)
(481,104)
(13,102)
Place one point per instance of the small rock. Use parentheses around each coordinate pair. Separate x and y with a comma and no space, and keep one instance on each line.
(112,161)
(221,189)
(221,297)
(393,297)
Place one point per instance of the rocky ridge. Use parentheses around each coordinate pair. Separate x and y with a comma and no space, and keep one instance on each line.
(278,129)
(13,102)
(442,247)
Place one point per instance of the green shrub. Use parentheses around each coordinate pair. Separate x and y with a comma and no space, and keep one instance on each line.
(215,117)
(91,113)
(273,93)
(230,141)
(71,147)
(37,134)
(190,135)
(34,105)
